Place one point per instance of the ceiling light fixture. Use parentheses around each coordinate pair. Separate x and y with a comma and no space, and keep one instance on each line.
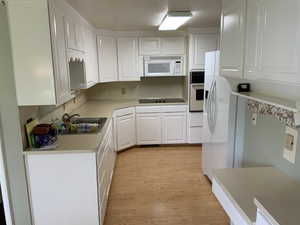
(173,20)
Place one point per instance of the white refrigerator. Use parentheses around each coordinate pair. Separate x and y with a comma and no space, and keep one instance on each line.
(219,119)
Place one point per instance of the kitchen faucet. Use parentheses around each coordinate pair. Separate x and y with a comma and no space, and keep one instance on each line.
(66,118)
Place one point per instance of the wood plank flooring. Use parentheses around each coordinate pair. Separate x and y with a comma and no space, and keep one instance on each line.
(162,186)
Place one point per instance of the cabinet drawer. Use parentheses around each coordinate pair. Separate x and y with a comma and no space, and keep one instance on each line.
(195,135)
(123,112)
(148,109)
(196,119)
(174,108)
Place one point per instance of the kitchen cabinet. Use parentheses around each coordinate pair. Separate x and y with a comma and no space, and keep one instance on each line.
(149,46)
(74,30)
(199,45)
(106,157)
(232,38)
(272,43)
(128,59)
(124,120)
(162,46)
(174,126)
(57,180)
(40,64)
(56,183)
(161,124)
(107,59)
(62,77)
(149,128)
(173,46)
(92,75)
(195,128)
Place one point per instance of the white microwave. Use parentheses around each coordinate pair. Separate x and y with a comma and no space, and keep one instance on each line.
(156,66)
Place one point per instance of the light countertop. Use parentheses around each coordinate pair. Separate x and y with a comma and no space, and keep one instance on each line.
(267,188)
(90,142)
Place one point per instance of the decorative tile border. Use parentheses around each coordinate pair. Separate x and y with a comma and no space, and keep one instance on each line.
(283,115)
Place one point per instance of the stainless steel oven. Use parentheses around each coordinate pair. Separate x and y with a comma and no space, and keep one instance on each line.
(197,93)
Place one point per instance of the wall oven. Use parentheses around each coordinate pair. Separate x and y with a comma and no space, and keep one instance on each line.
(197,93)
(163,66)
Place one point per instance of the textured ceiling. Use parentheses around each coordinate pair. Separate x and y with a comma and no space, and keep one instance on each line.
(145,14)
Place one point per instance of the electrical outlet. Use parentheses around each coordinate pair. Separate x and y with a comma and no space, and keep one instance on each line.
(290,146)
(254,118)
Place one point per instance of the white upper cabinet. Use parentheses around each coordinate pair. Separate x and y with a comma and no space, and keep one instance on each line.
(199,45)
(74,30)
(173,46)
(128,59)
(107,59)
(162,46)
(272,41)
(149,46)
(232,38)
(62,78)
(92,75)
(40,66)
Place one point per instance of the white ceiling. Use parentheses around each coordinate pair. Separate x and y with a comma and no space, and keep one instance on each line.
(145,14)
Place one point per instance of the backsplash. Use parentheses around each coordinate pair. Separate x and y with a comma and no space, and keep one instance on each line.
(47,114)
(154,87)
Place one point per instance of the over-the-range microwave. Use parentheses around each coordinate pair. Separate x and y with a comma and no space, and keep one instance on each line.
(156,66)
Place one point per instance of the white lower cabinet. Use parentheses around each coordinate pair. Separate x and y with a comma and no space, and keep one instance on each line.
(63,188)
(161,124)
(195,128)
(174,126)
(124,120)
(149,128)
(68,187)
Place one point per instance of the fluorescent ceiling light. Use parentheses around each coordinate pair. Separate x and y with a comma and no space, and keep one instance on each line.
(173,20)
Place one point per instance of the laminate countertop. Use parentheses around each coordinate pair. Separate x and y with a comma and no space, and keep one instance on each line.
(266,188)
(90,142)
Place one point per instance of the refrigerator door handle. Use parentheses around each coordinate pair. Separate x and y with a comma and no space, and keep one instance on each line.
(211,108)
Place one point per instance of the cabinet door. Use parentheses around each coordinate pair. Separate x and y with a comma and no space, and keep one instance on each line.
(128,60)
(232,38)
(125,131)
(272,43)
(62,77)
(79,36)
(149,128)
(149,46)
(70,31)
(199,45)
(92,74)
(107,59)
(174,128)
(173,46)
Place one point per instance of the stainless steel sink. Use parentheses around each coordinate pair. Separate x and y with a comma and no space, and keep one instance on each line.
(84,126)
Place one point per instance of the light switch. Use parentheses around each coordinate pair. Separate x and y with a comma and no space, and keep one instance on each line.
(254,118)
(290,145)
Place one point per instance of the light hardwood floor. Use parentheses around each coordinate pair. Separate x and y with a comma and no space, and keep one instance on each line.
(162,186)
